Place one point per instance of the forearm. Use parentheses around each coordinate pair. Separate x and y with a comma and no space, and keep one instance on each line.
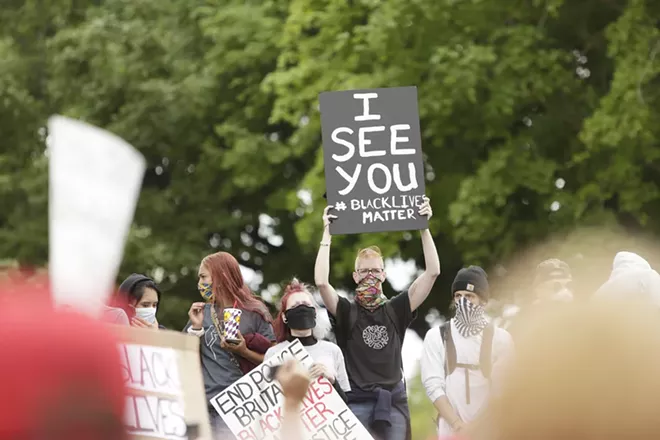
(322,273)
(431,258)
(420,289)
(445,410)
(252,356)
(292,428)
(322,267)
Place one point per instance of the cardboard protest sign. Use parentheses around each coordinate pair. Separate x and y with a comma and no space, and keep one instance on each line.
(95,179)
(252,406)
(372,150)
(166,398)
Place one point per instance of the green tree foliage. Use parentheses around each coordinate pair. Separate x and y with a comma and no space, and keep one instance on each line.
(537,116)
(422,412)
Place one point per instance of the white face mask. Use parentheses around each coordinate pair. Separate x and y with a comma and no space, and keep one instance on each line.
(146,313)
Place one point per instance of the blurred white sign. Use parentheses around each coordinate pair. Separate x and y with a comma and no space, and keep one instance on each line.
(95,179)
(154,403)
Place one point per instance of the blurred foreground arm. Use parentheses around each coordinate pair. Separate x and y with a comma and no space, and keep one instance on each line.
(295,381)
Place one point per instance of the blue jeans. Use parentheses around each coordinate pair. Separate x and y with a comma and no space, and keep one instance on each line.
(364,411)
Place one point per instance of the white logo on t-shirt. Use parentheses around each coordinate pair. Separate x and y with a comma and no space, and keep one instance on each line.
(375,336)
(211,337)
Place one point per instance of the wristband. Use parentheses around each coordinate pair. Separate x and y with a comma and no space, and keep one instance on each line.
(199,332)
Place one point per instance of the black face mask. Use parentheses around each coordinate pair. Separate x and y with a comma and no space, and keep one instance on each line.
(301,317)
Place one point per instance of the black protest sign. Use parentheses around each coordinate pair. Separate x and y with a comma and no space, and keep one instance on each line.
(372,149)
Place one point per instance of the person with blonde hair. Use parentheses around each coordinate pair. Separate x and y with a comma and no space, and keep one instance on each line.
(370,331)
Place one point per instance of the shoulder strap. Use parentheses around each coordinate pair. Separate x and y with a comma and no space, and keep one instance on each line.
(486,351)
(352,318)
(392,315)
(450,348)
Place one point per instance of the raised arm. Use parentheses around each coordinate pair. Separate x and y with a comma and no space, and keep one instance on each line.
(422,286)
(322,267)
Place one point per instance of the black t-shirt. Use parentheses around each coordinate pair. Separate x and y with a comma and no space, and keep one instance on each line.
(372,344)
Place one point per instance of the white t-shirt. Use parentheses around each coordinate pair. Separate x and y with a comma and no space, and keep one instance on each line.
(325,353)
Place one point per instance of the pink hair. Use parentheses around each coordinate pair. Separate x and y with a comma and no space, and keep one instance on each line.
(228,284)
(282,331)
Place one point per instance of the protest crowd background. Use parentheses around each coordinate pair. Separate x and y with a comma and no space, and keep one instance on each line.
(520,154)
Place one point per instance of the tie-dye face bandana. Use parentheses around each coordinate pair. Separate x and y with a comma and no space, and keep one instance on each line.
(206,290)
(369,293)
(470,319)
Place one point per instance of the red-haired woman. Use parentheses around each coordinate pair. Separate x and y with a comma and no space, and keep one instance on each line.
(221,284)
(300,318)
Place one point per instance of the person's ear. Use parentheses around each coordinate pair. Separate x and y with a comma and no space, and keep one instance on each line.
(284,318)
(356,277)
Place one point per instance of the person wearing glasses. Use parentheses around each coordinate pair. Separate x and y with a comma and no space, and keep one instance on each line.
(370,331)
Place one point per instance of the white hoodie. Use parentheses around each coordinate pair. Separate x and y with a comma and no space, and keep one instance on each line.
(631,275)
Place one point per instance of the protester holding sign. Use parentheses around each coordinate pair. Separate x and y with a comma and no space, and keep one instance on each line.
(371,329)
(139,297)
(300,318)
(231,315)
(460,356)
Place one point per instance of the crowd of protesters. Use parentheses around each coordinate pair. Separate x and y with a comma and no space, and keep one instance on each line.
(474,377)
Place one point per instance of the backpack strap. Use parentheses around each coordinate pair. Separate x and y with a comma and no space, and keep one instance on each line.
(389,310)
(352,318)
(486,351)
(450,348)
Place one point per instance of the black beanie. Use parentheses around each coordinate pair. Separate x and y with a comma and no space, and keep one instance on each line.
(129,284)
(473,279)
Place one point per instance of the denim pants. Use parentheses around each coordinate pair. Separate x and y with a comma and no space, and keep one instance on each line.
(364,411)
